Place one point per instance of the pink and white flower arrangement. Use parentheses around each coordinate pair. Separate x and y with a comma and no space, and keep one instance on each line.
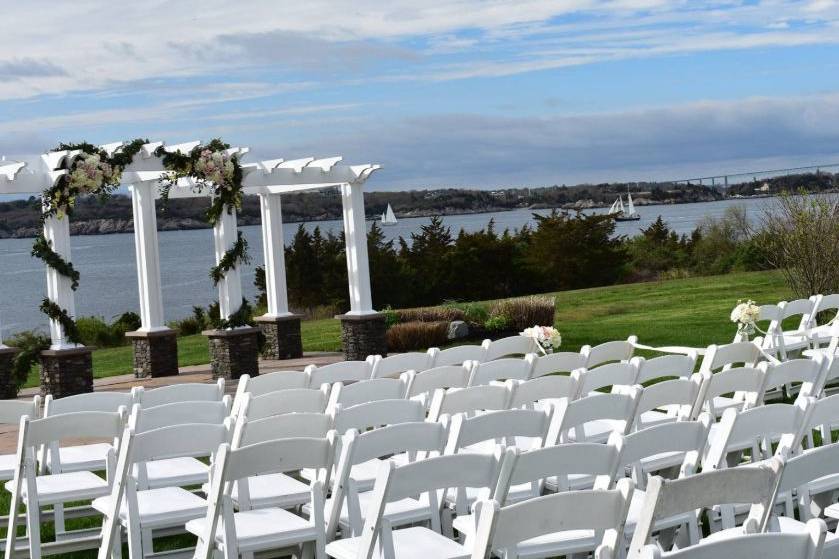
(548,337)
(215,167)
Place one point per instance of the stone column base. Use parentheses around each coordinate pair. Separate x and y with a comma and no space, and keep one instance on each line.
(234,353)
(363,336)
(65,372)
(8,390)
(155,353)
(282,336)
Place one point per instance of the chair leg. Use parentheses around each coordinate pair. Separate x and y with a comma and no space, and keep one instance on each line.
(33,530)
(135,542)
(58,512)
(307,551)
(148,541)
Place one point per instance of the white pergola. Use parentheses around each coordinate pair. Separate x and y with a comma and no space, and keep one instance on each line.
(268,179)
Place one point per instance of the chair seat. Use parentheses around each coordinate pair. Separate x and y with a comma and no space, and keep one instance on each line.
(574,481)
(598,431)
(408,543)
(399,513)
(274,490)
(654,417)
(84,457)
(159,508)
(364,474)
(8,463)
(722,403)
(821,334)
(260,529)
(64,487)
(822,484)
(787,525)
(180,471)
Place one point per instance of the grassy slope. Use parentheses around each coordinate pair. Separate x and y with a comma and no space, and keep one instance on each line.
(690,311)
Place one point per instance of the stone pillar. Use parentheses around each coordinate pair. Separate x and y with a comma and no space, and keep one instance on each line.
(65,372)
(282,336)
(363,335)
(234,353)
(8,389)
(155,353)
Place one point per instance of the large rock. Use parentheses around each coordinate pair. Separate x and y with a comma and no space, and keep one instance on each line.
(458,329)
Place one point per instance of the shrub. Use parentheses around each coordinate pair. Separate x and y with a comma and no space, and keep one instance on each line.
(474,313)
(497,323)
(411,336)
(391,316)
(31,343)
(430,314)
(525,312)
(94,331)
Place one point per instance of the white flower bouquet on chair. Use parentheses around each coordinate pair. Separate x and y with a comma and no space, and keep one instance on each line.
(745,315)
(547,338)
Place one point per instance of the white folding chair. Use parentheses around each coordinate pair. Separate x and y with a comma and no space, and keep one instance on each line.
(230,533)
(458,355)
(793,376)
(737,388)
(608,375)
(395,365)
(270,382)
(541,527)
(575,465)
(89,456)
(593,418)
(470,400)
(58,487)
(183,469)
(669,400)
(801,475)
(499,369)
(665,367)
(10,413)
(821,333)
(173,393)
(140,511)
(665,498)
(537,392)
(725,356)
(372,415)
(342,371)
(293,400)
(756,430)
(824,416)
(806,545)
(557,362)
(660,448)
(617,350)
(278,489)
(420,479)
(422,385)
(369,390)
(506,347)
(781,342)
(348,504)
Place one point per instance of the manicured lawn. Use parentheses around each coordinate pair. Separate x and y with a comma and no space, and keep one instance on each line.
(691,311)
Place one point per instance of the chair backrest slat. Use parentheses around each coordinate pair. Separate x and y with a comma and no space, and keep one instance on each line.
(499,369)
(377,414)
(342,371)
(557,362)
(458,355)
(394,365)
(511,345)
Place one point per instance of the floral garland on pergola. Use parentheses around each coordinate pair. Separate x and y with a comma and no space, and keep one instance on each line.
(93,171)
(211,167)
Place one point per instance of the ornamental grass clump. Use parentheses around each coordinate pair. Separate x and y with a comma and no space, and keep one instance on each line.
(524,312)
(412,336)
(430,314)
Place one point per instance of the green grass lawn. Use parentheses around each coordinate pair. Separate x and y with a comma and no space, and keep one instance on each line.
(691,312)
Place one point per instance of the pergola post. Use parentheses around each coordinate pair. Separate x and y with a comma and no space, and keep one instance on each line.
(155,345)
(66,367)
(362,328)
(280,327)
(233,351)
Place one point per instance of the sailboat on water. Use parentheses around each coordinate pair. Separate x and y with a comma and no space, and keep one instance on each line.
(388,217)
(624,213)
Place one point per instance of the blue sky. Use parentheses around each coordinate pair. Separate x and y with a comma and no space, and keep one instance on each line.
(446,93)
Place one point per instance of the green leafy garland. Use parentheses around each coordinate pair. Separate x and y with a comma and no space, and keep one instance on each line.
(95,172)
(55,312)
(211,167)
(235,255)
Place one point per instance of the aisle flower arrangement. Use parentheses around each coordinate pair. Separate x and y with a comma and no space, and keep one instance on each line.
(745,315)
(547,338)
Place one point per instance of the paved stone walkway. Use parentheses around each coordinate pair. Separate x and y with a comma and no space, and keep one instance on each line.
(196,373)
